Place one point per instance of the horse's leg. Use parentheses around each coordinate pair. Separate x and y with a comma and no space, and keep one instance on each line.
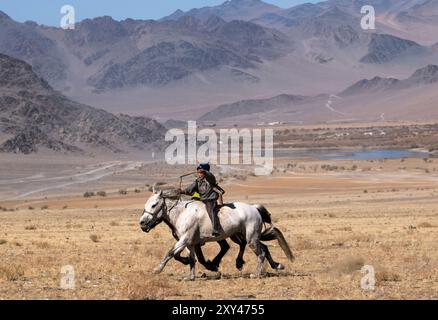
(253,239)
(207,264)
(242,245)
(224,249)
(177,248)
(257,248)
(274,265)
(192,259)
(184,260)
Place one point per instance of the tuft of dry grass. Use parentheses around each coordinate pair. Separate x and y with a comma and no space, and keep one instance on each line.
(349,265)
(42,245)
(94,238)
(144,286)
(425,225)
(3,241)
(304,244)
(349,229)
(12,272)
(114,224)
(386,276)
(30,227)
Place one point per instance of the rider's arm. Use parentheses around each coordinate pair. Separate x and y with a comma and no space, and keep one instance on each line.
(190,190)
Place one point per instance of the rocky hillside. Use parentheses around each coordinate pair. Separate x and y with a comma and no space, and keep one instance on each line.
(26,42)
(229,10)
(424,76)
(247,107)
(130,53)
(384,48)
(183,65)
(34,116)
(395,94)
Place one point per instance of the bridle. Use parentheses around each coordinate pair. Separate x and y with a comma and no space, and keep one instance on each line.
(155,219)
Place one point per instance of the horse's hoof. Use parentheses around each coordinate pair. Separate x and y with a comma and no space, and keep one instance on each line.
(157,270)
(240,264)
(210,266)
(189,278)
(280,267)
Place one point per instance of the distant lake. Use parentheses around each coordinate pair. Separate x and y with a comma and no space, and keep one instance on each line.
(342,154)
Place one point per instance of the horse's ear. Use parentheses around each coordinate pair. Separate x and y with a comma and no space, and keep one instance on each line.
(153,188)
(161,193)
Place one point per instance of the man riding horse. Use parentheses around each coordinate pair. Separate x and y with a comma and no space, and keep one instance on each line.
(206,186)
(191,228)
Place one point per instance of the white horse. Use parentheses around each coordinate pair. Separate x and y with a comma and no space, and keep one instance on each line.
(190,222)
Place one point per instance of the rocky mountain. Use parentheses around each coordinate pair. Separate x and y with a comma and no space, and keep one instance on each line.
(229,10)
(112,54)
(424,76)
(376,84)
(183,65)
(24,41)
(247,107)
(349,105)
(196,46)
(385,48)
(150,53)
(419,11)
(33,116)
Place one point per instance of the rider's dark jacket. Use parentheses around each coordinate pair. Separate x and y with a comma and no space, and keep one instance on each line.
(205,187)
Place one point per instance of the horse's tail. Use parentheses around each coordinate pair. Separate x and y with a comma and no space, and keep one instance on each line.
(266,216)
(273,233)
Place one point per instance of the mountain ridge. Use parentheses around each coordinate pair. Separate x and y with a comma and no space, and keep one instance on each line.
(34,116)
(422,77)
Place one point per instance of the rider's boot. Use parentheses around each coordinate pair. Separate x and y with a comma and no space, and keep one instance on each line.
(213,214)
(216,227)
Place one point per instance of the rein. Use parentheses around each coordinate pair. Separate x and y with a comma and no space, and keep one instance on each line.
(164,208)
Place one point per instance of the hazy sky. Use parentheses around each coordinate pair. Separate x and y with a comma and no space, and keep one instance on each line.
(48,11)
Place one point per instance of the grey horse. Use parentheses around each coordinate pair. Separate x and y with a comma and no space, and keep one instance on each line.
(192,227)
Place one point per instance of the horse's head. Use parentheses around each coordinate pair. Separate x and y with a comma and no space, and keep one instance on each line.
(154,211)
